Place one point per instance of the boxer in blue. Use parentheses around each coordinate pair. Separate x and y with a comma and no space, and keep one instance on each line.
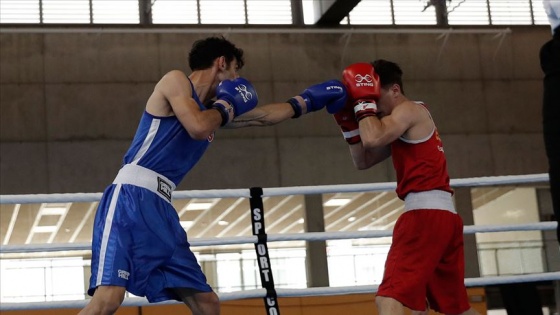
(138,244)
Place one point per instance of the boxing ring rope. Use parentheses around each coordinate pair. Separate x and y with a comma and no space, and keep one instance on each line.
(260,293)
(280,191)
(309,236)
(312,236)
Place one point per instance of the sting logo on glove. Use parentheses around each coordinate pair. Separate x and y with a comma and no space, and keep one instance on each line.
(335,87)
(364,80)
(246,95)
(363,88)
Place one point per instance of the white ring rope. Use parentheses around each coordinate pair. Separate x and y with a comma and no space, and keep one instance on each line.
(260,293)
(280,191)
(310,236)
(313,236)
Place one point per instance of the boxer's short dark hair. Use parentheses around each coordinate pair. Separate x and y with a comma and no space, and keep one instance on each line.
(389,73)
(205,51)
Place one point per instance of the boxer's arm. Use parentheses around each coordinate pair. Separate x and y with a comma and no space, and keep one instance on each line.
(364,159)
(171,97)
(330,94)
(265,115)
(379,132)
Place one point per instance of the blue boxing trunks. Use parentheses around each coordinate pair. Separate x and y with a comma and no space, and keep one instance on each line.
(138,242)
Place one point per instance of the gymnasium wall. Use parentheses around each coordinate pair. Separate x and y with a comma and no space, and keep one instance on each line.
(70,104)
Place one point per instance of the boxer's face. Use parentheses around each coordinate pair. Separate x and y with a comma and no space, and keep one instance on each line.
(383,108)
(387,99)
(226,71)
(229,71)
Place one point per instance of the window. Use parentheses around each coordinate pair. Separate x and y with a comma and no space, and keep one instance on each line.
(116,11)
(539,15)
(222,12)
(240,271)
(20,11)
(63,11)
(510,12)
(372,12)
(175,12)
(42,280)
(473,12)
(355,265)
(269,12)
(509,253)
(273,12)
(413,12)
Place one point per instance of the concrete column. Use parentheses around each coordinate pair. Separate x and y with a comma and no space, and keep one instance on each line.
(297,13)
(463,203)
(551,252)
(145,7)
(316,261)
(441,12)
(550,243)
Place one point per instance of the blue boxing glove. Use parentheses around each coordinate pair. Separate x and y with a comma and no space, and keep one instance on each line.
(239,94)
(331,94)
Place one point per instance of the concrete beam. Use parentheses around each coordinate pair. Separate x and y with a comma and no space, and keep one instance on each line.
(331,12)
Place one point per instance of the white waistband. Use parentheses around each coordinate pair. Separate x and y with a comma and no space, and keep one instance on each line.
(142,177)
(431,199)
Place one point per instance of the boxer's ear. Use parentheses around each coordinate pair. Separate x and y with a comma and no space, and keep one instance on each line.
(220,63)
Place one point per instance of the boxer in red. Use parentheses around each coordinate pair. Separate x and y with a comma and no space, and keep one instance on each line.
(425,265)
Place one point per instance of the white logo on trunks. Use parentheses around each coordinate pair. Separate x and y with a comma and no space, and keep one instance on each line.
(123,274)
(164,188)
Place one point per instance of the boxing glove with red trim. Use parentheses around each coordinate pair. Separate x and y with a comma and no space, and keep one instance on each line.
(348,124)
(363,88)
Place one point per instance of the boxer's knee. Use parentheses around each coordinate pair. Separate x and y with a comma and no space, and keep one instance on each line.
(106,300)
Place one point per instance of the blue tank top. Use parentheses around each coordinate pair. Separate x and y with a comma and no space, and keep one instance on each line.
(163,145)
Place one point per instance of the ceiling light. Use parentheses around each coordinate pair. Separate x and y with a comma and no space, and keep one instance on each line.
(337,202)
(223,222)
(351,219)
(53,211)
(186,224)
(300,221)
(199,206)
(515,213)
(44,229)
(372,227)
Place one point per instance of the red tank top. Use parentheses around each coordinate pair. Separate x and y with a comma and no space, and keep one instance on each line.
(420,164)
